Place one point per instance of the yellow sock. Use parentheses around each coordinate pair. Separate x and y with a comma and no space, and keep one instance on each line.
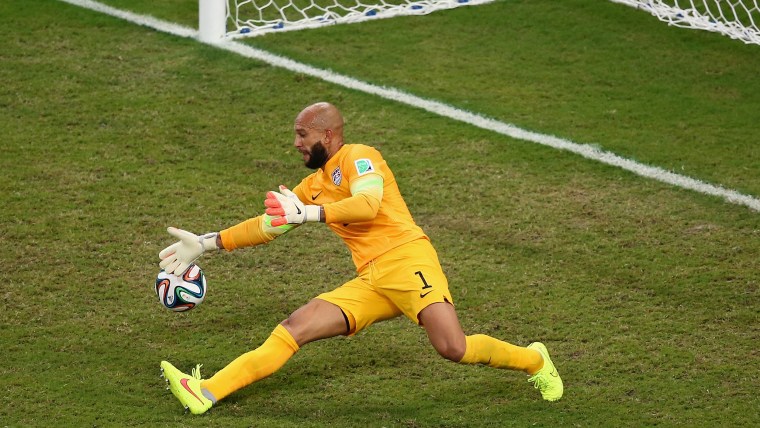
(253,366)
(482,349)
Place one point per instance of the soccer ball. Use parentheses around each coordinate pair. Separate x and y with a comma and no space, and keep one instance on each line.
(181,293)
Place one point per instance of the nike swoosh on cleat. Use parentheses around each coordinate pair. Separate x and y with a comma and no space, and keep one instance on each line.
(425,294)
(183,381)
(554,373)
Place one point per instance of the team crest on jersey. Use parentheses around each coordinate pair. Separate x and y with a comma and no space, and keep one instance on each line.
(364,166)
(337,176)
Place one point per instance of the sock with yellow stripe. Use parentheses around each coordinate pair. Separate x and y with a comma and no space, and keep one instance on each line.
(482,349)
(253,366)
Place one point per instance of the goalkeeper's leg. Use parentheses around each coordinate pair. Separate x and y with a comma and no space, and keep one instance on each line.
(446,336)
(445,333)
(315,320)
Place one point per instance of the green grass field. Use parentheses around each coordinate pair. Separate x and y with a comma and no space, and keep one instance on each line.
(646,294)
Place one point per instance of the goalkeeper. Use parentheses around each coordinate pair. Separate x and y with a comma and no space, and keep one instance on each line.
(355,193)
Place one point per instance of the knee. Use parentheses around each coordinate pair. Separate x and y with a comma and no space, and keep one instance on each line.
(452,351)
(297,328)
(288,323)
(314,321)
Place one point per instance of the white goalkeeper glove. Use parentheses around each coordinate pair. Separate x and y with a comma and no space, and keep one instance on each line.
(177,257)
(288,209)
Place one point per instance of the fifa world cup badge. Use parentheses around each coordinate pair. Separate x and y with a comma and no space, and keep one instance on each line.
(364,166)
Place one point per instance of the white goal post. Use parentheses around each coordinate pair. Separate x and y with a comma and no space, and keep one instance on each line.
(256,17)
(227,19)
(738,19)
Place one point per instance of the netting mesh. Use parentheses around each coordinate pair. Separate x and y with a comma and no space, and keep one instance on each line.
(254,17)
(737,19)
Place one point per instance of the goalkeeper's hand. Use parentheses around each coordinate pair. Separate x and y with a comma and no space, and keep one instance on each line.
(286,208)
(176,258)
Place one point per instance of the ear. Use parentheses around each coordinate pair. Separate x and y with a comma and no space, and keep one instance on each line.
(328,136)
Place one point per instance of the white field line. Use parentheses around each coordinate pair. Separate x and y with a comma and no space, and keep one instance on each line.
(585,150)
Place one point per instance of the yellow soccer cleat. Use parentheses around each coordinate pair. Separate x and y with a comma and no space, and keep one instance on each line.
(547,379)
(186,388)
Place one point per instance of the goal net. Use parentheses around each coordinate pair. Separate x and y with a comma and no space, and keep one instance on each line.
(255,17)
(738,19)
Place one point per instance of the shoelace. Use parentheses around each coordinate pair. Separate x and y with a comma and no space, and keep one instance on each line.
(538,381)
(197,371)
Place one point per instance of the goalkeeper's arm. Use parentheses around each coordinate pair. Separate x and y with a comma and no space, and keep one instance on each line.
(362,205)
(367,193)
(288,208)
(176,258)
(254,231)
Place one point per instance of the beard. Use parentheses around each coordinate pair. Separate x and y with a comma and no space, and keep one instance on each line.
(317,156)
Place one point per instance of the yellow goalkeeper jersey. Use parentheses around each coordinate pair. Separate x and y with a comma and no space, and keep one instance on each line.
(392,226)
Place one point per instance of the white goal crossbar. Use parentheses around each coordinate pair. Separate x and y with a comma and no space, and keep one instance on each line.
(256,17)
(738,19)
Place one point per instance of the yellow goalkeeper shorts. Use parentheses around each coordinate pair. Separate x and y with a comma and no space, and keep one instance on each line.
(405,280)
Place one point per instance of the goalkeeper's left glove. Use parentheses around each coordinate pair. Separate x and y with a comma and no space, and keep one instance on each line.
(176,258)
(288,209)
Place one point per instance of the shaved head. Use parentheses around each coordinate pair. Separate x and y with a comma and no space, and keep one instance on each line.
(319,133)
(321,116)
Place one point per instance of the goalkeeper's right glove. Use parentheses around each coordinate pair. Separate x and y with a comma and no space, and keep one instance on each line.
(286,208)
(176,258)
